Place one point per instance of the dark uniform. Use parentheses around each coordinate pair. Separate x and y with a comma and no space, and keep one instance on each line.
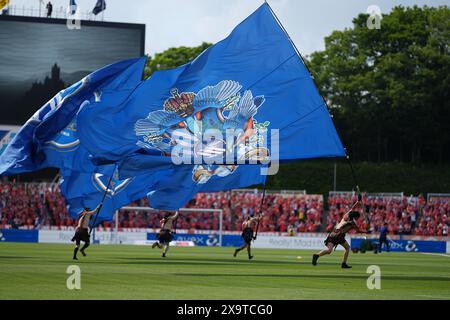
(336,237)
(165,236)
(247,235)
(82,234)
(383,238)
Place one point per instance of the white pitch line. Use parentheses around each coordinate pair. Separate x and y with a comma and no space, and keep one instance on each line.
(437,254)
(430,296)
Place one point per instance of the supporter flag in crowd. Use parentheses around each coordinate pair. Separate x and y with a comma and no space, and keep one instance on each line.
(99,7)
(3,4)
(73,6)
(252,81)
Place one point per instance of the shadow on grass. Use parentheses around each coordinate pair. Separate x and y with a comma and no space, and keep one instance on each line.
(215,262)
(321,276)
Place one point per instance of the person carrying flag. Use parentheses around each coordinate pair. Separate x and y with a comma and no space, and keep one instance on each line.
(82,231)
(247,235)
(165,235)
(337,236)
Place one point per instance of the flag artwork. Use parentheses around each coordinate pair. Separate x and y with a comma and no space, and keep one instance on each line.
(211,125)
(250,84)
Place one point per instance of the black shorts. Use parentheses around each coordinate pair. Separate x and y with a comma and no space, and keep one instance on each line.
(81,234)
(165,236)
(336,238)
(247,235)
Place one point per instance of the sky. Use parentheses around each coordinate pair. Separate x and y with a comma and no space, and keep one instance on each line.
(171,23)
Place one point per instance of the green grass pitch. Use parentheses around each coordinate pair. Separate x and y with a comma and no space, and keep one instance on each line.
(38,271)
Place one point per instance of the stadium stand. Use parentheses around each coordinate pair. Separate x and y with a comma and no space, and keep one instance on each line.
(36,205)
(435,218)
(399,212)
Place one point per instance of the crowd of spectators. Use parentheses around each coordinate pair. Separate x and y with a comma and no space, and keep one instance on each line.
(32,205)
(435,217)
(400,213)
(282,212)
(37,205)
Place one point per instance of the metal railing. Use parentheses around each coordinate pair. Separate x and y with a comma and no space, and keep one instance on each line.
(386,194)
(341,193)
(370,194)
(438,195)
(57,13)
(282,192)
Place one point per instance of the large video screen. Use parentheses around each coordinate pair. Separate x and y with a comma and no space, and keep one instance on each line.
(40,56)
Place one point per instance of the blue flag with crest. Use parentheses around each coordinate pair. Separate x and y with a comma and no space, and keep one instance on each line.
(251,84)
(203,127)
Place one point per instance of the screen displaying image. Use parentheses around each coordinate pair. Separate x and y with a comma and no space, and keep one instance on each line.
(39,57)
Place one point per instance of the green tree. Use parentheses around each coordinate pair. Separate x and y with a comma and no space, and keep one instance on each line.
(172,58)
(388,88)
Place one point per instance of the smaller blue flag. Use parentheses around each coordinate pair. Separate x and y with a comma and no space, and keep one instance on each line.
(85,190)
(73,7)
(99,7)
(81,189)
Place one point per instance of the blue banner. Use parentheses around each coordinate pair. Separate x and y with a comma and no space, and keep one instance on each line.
(248,84)
(407,245)
(16,235)
(205,240)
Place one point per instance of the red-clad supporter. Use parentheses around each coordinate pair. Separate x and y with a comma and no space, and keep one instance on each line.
(281,211)
(435,218)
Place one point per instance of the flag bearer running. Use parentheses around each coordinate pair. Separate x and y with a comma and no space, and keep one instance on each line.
(337,235)
(82,232)
(247,234)
(165,235)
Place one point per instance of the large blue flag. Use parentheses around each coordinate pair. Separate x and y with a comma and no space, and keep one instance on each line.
(251,83)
